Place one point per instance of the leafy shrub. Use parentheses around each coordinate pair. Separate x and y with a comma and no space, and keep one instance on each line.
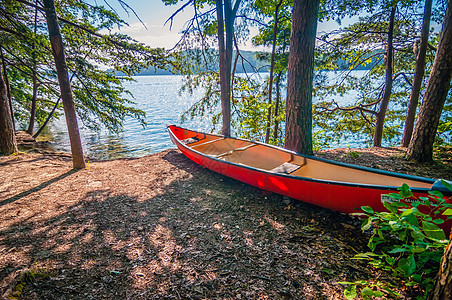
(405,241)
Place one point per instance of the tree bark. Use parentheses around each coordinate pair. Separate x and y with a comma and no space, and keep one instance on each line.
(8,89)
(31,123)
(300,76)
(272,67)
(8,143)
(421,144)
(225,18)
(418,76)
(65,86)
(278,100)
(224,90)
(443,286)
(378,136)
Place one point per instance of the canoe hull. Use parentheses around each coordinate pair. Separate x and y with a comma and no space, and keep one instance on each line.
(345,198)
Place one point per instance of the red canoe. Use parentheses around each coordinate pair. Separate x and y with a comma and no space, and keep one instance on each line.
(338,186)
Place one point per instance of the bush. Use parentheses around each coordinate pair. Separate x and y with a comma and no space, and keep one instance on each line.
(405,241)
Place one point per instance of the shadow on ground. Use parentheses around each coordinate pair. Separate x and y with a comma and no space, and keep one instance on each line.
(163,227)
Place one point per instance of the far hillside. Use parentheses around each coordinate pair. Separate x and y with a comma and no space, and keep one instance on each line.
(250,64)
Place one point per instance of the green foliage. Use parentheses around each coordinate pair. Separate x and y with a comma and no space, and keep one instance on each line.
(100,97)
(361,46)
(368,290)
(444,136)
(358,46)
(406,240)
(27,277)
(353,154)
(249,91)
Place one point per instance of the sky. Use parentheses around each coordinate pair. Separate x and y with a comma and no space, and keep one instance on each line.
(154,14)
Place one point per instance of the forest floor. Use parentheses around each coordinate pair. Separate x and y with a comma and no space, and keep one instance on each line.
(162,227)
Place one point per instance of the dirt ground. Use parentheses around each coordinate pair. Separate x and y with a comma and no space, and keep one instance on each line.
(162,227)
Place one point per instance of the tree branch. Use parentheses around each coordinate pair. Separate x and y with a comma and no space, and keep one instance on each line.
(176,12)
(403,74)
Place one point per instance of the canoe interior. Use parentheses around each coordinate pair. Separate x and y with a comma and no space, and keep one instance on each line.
(270,159)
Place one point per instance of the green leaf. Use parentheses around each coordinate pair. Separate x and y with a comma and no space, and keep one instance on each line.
(405,191)
(395,196)
(367,291)
(436,194)
(433,231)
(407,265)
(406,212)
(395,225)
(397,250)
(350,292)
(366,255)
(446,184)
(367,209)
(416,277)
(417,250)
(378,294)
(417,234)
(448,212)
(411,219)
(367,224)
(390,260)
(392,207)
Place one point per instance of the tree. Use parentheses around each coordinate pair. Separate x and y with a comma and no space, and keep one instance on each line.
(362,46)
(274,32)
(7,137)
(272,68)
(221,24)
(300,77)
(65,86)
(101,100)
(225,19)
(418,76)
(421,144)
(389,56)
(31,124)
(443,286)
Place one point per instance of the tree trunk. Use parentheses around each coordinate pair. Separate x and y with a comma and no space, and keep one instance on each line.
(31,124)
(8,143)
(421,144)
(300,76)
(278,100)
(272,67)
(224,91)
(418,76)
(65,86)
(378,136)
(225,17)
(8,89)
(443,286)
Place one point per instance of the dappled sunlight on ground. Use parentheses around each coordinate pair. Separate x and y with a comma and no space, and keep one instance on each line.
(162,227)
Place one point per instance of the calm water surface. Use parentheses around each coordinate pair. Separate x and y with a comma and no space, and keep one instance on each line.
(159,97)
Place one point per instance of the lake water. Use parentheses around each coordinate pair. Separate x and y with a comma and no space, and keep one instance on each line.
(158,96)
